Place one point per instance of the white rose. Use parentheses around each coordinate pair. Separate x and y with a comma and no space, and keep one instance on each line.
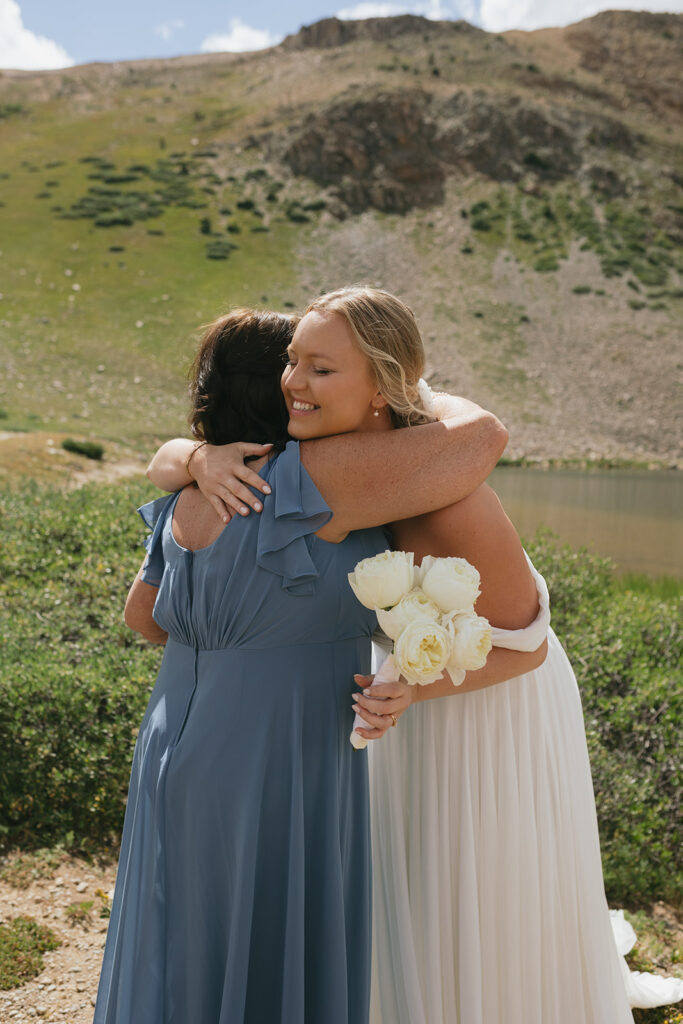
(470,636)
(451,582)
(422,651)
(415,605)
(381,581)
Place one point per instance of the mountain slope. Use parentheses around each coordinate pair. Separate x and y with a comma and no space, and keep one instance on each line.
(522,192)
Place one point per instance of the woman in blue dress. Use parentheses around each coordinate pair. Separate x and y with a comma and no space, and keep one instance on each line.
(243,887)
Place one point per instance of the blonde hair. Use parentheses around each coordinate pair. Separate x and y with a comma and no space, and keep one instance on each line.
(388,335)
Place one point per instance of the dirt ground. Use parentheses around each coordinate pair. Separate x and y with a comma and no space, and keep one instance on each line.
(64,992)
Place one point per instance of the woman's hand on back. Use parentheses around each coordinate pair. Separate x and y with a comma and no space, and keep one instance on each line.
(224,478)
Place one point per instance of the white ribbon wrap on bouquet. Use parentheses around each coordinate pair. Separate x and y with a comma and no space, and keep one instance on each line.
(388,672)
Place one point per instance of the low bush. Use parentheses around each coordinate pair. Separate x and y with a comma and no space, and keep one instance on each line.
(546,262)
(74,678)
(626,647)
(91,449)
(219,249)
(75,682)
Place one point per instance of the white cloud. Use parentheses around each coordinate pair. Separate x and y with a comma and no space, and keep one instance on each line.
(434,9)
(500,15)
(370,10)
(21,48)
(239,38)
(169,27)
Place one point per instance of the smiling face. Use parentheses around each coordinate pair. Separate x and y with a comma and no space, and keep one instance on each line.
(328,383)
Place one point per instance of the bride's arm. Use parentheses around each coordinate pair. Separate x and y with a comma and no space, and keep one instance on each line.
(220,471)
(367,479)
(451,458)
(374,478)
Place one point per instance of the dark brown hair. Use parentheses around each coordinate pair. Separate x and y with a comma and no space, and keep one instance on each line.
(235,379)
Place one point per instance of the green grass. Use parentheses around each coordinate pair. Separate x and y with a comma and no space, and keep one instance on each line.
(664,588)
(99,323)
(79,913)
(22,944)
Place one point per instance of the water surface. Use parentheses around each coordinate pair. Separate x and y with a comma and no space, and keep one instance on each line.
(633,516)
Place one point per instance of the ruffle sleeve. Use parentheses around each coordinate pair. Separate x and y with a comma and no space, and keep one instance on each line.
(153,515)
(532,636)
(294,512)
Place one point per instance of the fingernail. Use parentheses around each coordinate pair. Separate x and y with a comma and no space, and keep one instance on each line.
(244,510)
(257,506)
(367,693)
(266,489)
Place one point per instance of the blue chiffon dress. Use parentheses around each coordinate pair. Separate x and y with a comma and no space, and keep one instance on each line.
(243,886)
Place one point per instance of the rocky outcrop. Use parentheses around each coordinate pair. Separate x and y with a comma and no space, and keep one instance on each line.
(377,153)
(335,32)
(393,151)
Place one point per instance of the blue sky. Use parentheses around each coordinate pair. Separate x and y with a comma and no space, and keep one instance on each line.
(58,33)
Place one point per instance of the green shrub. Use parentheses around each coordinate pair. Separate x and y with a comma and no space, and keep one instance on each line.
(75,682)
(626,648)
(11,110)
(297,216)
(546,262)
(219,249)
(90,449)
(537,162)
(581,289)
(74,679)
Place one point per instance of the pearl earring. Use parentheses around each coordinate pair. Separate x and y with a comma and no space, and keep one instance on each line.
(376,412)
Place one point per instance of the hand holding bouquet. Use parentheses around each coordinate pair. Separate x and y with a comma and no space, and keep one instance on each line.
(428,611)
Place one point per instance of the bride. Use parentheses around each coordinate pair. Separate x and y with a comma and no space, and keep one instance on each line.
(489,905)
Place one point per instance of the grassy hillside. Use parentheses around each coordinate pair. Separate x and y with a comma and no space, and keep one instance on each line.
(522,192)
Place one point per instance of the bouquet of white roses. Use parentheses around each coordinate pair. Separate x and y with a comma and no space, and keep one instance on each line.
(428,611)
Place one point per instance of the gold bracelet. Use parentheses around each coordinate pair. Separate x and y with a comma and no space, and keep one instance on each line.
(189,458)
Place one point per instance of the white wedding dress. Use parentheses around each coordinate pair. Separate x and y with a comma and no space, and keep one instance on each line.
(489,905)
